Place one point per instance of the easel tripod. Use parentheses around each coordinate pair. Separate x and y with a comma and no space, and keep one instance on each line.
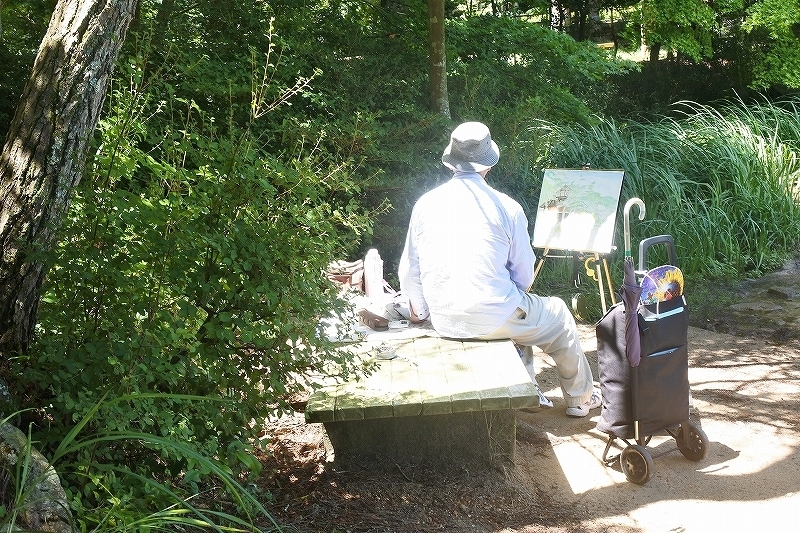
(595,267)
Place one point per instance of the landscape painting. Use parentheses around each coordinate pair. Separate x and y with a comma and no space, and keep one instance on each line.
(577,210)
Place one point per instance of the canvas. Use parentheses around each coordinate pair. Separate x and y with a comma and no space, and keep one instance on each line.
(577,210)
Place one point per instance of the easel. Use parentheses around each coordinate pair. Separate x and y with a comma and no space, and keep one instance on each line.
(576,215)
(595,266)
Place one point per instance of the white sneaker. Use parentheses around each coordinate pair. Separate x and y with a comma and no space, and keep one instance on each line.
(582,410)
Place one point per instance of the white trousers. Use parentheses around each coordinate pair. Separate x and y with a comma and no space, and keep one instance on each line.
(546,322)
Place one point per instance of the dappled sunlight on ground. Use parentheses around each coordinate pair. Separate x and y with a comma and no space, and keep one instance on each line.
(746,395)
(770,515)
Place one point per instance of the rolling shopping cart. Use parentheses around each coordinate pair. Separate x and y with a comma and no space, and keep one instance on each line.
(642,351)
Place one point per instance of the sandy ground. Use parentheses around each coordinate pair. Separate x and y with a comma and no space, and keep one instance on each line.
(746,394)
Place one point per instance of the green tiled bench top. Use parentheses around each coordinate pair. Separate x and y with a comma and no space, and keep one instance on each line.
(430,376)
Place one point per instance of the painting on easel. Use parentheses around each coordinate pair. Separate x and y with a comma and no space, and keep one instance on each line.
(577,210)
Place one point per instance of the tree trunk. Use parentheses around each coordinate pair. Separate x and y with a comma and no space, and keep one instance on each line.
(163,17)
(437,61)
(45,149)
(655,50)
(593,12)
(556,16)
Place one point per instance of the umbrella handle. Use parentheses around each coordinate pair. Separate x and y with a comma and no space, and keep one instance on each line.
(627,223)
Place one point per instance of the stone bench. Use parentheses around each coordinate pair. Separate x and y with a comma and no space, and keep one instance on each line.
(438,400)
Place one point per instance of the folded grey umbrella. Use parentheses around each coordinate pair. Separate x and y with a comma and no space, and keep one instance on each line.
(631,291)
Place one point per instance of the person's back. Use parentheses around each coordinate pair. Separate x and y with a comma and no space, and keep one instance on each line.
(466,235)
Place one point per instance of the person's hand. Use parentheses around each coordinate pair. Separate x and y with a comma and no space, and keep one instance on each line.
(413,317)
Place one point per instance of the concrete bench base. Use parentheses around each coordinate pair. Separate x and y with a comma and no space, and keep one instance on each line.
(478,438)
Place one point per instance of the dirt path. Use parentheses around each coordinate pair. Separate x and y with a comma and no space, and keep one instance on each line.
(746,394)
(746,397)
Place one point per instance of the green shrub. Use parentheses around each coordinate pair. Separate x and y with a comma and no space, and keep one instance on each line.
(194,268)
(179,505)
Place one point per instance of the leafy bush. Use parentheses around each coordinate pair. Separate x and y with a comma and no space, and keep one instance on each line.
(193,267)
(499,63)
(122,509)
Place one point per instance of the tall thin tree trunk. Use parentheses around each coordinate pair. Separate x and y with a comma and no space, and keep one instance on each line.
(45,149)
(556,16)
(655,51)
(163,16)
(437,61)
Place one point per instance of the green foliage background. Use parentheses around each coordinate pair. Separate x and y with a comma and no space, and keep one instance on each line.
(245,145)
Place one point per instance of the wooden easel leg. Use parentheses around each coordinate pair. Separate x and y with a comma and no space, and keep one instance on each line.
(610,284)
(594,271)
(541,262)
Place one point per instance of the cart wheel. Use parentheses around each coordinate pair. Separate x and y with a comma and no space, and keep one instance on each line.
(637,464)
(697,447)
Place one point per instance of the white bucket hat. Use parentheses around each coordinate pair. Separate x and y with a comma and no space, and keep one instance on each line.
(471,148)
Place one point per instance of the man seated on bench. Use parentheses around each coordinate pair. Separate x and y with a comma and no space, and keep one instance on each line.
(468,264)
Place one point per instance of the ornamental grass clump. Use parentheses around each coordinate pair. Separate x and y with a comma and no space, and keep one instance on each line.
(722,180)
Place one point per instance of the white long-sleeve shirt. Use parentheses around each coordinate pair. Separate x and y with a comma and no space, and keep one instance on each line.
(467,257)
